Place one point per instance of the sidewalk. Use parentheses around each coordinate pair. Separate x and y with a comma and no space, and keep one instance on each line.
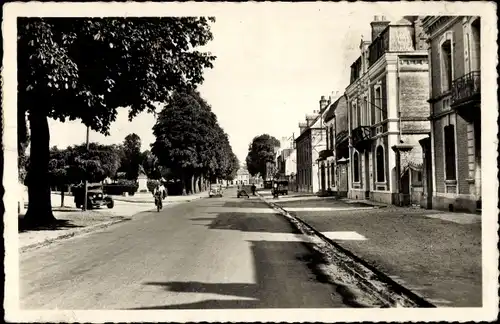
(435,254)
(72,222)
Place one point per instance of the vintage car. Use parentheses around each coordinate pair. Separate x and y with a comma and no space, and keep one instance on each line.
(95,196)
(215,191)
(282,187)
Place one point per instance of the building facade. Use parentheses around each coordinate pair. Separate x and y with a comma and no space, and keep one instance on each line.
(334,159)
(388,113)
(242,176)
(453,150)
(309,143)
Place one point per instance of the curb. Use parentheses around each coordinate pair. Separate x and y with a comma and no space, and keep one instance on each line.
(72,234)
(383,289)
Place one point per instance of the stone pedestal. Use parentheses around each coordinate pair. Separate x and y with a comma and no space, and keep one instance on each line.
(143,183)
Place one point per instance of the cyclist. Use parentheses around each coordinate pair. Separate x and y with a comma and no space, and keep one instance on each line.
(158,193)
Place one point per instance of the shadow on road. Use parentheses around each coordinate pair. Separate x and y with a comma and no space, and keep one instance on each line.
(58,224)
(248,222)
(284,277)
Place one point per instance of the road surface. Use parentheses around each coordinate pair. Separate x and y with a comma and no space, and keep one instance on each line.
(206,254)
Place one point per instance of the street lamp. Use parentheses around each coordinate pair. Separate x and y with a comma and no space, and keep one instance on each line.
(85,194)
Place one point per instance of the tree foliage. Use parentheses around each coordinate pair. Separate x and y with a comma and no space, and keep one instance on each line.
(260,152)
(189,140)
(87,68)
(131,156)
(75,164)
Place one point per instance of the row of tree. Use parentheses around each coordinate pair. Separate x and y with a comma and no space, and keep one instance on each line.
(191,143)
(87,68)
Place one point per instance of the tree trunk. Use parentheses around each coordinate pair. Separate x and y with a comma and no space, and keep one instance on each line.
(63,189)
(192,191)
(183,181)
(39,205)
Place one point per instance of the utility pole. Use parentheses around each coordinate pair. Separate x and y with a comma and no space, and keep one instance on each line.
(85,188)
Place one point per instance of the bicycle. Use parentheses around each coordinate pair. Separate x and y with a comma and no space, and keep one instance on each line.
(158,203)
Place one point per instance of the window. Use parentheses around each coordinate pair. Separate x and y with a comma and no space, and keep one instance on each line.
(380,164)
(446,66)
(327,137)
(449,152)
(354,110)
(333,175)
(328,176)
(356,167)
(366,112)
(378,104)
(332,135)
(475,52)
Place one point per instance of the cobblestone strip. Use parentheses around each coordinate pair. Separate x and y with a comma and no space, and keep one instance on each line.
(362,283)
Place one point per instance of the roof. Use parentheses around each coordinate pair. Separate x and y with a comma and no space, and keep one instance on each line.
(402,21)
(331,111)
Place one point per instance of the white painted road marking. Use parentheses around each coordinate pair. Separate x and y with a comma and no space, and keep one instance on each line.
(265,210)
(288,237)
(292,209)
(345,235)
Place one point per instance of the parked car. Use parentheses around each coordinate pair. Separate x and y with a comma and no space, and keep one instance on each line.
(95,196)
(215,191)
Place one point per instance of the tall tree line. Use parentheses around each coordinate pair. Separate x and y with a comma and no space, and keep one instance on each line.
(191,143)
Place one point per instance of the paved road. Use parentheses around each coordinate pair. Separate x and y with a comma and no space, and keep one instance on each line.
(210,253)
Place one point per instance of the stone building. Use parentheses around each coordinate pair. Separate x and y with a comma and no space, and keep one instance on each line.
(334,159)
(453,150)
(388,113)
(309,143)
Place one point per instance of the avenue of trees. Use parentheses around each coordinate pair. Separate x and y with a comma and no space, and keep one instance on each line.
(261,157)
(191,144)
(87,68)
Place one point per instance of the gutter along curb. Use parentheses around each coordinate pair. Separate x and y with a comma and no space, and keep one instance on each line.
(358,281)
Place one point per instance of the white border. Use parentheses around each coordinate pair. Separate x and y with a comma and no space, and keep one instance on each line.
(489,128)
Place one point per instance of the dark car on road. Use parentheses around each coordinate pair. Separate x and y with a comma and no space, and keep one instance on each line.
(95,196)
(282,187)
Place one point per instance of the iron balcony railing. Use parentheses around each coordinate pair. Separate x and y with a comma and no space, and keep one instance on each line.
(466,88)
(361,134)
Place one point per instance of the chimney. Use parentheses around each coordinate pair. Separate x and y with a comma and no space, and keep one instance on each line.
(378,25)
(302,127)
(323,103)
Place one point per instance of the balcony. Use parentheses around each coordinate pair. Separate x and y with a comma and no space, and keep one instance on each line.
(324,154)
(361,138)
(466,95)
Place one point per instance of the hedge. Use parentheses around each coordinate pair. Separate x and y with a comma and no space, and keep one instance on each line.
(119,189)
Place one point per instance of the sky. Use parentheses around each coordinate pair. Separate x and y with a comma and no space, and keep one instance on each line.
(271,69)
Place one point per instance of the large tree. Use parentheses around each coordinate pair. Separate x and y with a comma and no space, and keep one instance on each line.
(87,68)
(261,152)
(131,156)
(190,141)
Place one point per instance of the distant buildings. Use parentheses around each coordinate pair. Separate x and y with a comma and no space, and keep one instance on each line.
(334,159)
(242,176)
(309,143)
